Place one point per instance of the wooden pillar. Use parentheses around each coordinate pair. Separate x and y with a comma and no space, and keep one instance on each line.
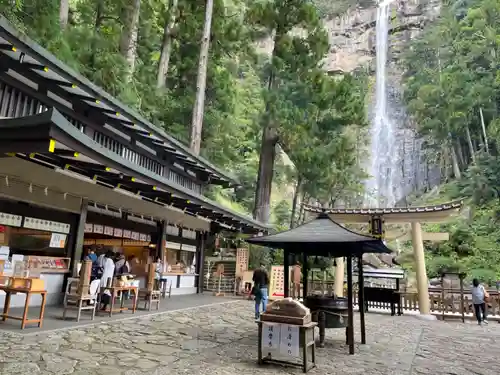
(339,277)
(350,309)
(161,240)
(361,299)
(201,239)
(422,283)
(150,281)
(84,284)
(79,236)
(286,273)
(305,270)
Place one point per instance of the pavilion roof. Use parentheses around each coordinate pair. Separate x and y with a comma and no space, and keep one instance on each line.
(322,236)
(430,213)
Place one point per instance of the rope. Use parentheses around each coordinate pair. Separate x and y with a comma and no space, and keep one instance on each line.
(341,316)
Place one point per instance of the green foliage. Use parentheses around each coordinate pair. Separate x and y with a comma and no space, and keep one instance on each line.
(451,76)
(314,110)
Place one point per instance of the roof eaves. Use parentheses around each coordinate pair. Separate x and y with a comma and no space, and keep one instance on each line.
(81,81)
(60,121)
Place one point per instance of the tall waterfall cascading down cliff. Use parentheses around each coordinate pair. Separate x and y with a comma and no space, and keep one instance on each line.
(384,187)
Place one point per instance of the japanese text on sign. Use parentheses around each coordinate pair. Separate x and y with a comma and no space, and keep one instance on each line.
(289,340)
(270,336)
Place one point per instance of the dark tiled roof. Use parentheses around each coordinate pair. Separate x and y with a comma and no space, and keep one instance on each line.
(325,233)
(381,211)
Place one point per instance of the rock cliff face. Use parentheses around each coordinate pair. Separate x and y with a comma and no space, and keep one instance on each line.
(352,34)
(352,39)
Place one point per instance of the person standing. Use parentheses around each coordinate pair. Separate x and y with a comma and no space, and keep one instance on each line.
(261,282)
(479,297)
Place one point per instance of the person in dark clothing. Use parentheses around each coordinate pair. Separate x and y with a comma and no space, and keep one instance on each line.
(261,282)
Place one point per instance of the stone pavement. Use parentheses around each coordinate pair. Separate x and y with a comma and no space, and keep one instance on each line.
(222,340)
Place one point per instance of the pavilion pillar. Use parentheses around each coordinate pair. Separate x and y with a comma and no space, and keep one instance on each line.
(286,275)
(339,277)
(422,283)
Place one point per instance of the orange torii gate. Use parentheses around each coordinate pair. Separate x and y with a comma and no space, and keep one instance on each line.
(377,218)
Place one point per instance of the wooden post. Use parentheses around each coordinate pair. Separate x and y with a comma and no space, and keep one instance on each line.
(350,317)
(305,269)
(422,284)
(339,277)
(84,283)
(462,307)
(361,299)
(151,277)
(79,236)
(286,275)
(219,273)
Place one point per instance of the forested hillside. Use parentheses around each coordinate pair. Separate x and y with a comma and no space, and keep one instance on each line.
(153,56)
(452,90)
(194,68)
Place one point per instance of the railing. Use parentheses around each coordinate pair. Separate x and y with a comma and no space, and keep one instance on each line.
(15,103)
(451,304)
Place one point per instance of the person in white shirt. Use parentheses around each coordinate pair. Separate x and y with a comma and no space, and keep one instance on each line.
(479,295)
(107,273)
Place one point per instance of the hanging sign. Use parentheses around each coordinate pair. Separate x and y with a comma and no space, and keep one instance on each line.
(127,233)
(172,230)
(108,231)
(172,245)
(135,236)
(289,340)
(46,225)
(88,228)
(270,336)
(117,232)
(57,240)
(99,229)
(189,248)
(10,220)
(142,237)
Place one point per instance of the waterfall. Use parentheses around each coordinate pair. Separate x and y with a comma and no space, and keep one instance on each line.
(385,184)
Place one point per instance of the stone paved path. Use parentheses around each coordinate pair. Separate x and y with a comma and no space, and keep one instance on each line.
(222,340)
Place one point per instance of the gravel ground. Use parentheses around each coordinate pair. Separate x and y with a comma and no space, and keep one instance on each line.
(222,340)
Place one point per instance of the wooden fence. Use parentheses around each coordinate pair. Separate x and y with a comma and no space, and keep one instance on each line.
(451,304)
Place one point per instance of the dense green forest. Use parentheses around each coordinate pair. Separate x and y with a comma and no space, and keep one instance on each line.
(276,120)
(150,54)
(452,90)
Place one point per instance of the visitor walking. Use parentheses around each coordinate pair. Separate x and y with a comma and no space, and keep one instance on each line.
(479,299)
(260,284)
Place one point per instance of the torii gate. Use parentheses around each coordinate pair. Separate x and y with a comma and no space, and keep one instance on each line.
(378,217)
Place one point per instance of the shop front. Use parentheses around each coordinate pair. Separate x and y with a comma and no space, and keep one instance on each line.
(35,242)
(179,261)
(81,171)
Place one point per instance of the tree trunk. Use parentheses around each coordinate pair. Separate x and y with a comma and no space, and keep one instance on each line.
(166,47)
(483,126)
(128,39)
(460,154)
(469,143)
(262,210)
(97,27)
(454,162)
(63,13)
(295,199)
(201,81)
(302,215)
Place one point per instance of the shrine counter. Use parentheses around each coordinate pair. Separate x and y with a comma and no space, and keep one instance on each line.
(181,283)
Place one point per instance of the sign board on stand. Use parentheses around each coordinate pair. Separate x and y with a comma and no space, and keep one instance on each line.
(277,282)
(241,262)
(282,338)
